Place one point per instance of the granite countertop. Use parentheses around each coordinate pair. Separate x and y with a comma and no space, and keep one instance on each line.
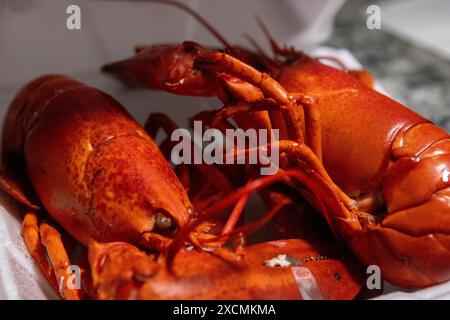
(411,75)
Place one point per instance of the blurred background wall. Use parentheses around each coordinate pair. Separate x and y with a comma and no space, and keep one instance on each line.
(412,65)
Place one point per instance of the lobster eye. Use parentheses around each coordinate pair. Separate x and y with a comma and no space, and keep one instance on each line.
(163,221)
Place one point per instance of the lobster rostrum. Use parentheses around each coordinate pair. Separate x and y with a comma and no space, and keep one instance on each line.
(384,168)
(81,166)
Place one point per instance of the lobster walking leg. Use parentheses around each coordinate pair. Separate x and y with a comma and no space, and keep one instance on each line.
(233,109)
(304,156)
(15,190)
(158,121)
(320,194)
(44,241)
(221,62)
(214,177)
(228,233)
(235,215)
(32,238)
(231,80)
(313,136)
(51,240)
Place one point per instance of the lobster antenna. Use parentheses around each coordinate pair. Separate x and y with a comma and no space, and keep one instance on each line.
(324,196)
(251,227)
(276,49)
(268,60)
(335,60)
(183,234)
(198,17)
(267,217)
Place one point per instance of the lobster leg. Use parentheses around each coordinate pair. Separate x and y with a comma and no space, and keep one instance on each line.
(154,241)
(15,190)
(313,133)
(302,154)
(238,111)
(158,121)
(319,193)
(207,115)
(32,238)
(317,181)
(51,240)
(227,233)
(44,244)
(215,177)
(235,215)
(313,137)
(223,63)
(234,109)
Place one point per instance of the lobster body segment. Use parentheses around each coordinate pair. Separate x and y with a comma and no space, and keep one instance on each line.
(92,166)
(375,146)
(358,124)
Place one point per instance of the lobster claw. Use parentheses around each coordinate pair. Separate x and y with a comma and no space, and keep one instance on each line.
(285,269)
(118,269)
(165,67)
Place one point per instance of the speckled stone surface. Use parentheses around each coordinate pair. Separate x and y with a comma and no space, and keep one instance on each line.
(414,76)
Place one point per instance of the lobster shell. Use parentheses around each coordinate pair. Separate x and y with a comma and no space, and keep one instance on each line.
(121,271)
(95,170)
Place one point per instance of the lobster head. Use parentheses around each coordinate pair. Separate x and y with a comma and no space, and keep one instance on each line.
(93,168)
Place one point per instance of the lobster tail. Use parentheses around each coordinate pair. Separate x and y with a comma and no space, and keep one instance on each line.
(412,243)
